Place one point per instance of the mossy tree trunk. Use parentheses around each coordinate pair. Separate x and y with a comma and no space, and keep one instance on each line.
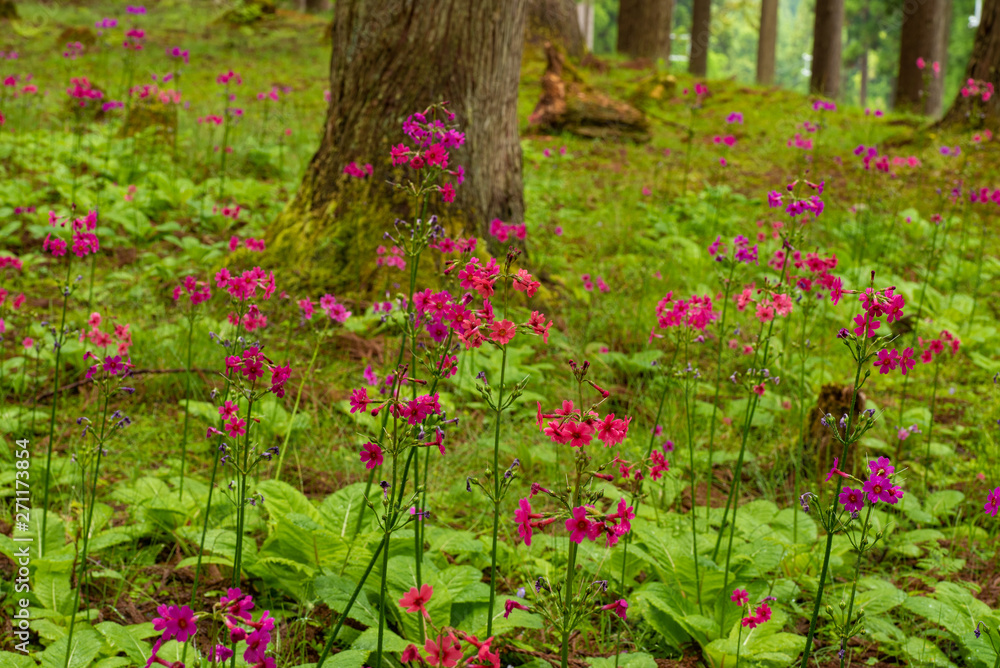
(555,21)
(984,65)
(392,58)
(644,28)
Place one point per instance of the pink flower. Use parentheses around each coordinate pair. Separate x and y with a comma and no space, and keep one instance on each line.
(228,410)
(512,605)
(502,332)
(236,427)
(371,455)
(866,325)
(523,517)
(611,430)
(992,502)
(411,653)
(852,499)
(415,600)
(578,525)
(619,607)
(445,651)
(177,623)
(359,400)
(921,63)
(878,488)
(740,597)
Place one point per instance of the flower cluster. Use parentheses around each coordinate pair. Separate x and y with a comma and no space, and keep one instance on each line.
(588,283)
(353,170)
(329,304)
(568,426)
(937,346)
(431,140)
(390,257)
(503,232)
(877,488)
(197,291)
(742,252)
(696,312)
(586,522)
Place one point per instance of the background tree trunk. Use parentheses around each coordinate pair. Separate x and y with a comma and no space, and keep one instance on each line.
(701,32)
(935,96)
(392,58)
(918,39)
(644,28)
(555,21)
(314,5)
(8,10)
(984,65)
(767,41)
(827,28)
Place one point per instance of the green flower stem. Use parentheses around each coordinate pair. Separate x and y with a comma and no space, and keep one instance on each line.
(89,514)
(383,593)
(690,440)
(350,604)
(718,385)
(241,501)
(797,463)
(60,338)
(496,499)
(187,398)
(930,428)
(857,574)
(829,535)
(570,571)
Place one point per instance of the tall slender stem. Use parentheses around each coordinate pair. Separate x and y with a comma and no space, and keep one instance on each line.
(930,428)
(383,594)
(857,573)
(718,385)
(694,477)
(295,408)
(187,398)
(496,495)
(829,536)
(55,401)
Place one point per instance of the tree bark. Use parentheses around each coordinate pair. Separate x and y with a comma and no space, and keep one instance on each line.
(8,10)
(314,5)
(555,21)
(767,42)
(701,32)
(918,40)
(827,28)
(644,28)
(935,96)
(984,65)
(392,58)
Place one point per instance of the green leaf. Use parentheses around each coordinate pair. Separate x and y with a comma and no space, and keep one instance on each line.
(336,591)
(625,660)
(122,639)
(16,660)
(923,652)
(368,640)
(85,648)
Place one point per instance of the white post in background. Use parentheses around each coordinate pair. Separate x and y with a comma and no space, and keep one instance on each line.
(585,16)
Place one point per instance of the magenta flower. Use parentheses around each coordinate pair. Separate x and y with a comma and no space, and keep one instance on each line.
(612,430)
(740,597)
(371,455)
(578,525)
(853,499)
(238,603)
(523,517)
(866,325)
(177,623)
(879,488)
(236,427)
(359,400)
(415,600)
(619,607)
(512,605)
(882,466)
(992,502)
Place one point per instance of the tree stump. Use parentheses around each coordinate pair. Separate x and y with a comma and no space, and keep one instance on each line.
(573,106)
